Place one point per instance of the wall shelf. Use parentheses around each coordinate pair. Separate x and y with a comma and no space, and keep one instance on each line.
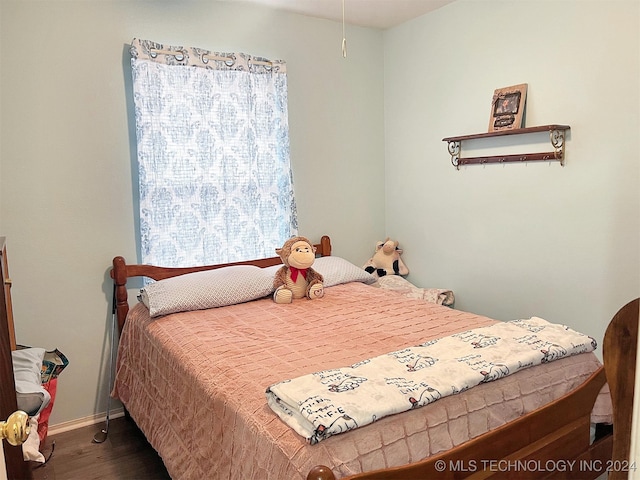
(556,136)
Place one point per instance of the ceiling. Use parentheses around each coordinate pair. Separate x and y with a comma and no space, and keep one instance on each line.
(380,14)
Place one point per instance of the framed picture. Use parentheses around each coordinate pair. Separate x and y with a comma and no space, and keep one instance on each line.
(507,108)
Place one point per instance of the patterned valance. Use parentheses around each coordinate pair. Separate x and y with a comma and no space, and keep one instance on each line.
(199,57)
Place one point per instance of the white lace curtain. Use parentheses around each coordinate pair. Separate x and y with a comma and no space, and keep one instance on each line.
(213,153)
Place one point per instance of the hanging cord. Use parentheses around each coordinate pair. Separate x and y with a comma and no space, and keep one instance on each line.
(101,436)
(344,38)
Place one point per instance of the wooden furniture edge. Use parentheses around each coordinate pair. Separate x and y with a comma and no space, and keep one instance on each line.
(121,272)
(503,133)
(619,351)
(14,460)
(6,284)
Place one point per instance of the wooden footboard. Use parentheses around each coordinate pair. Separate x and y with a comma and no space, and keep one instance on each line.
(552,442)
(538,445)
(620,351)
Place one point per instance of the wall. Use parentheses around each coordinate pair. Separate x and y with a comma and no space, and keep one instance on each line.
(67,152)
(519,240)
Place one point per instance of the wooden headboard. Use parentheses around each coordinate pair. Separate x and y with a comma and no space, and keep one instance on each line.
(121,272)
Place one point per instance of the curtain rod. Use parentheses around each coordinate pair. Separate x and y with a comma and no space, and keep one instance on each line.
(210,57)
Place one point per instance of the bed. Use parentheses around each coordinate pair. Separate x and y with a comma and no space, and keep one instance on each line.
(194,382)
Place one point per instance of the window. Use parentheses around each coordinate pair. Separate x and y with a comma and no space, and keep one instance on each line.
(213,155)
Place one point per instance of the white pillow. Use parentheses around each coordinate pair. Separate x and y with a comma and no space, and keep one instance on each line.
(207,289)
(27,365)
(336,270)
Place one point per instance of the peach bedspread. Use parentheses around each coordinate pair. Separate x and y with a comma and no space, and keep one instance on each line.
(195,383)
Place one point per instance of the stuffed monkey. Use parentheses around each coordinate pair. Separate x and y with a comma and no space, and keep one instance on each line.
(386,260)
(296,278)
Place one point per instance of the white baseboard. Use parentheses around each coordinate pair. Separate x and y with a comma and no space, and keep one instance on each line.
(85,421)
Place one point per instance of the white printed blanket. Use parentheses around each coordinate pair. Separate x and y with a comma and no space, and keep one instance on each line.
(330,402)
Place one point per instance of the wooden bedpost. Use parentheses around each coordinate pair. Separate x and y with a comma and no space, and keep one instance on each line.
(321,472)
(619,352)
(119,275)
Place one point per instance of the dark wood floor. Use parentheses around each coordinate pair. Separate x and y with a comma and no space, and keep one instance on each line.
(124,455)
